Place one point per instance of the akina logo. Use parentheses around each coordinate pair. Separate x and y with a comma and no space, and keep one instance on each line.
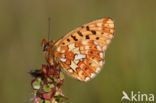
(137,96)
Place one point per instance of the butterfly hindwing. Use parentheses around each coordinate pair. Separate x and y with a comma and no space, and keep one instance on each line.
(80,53)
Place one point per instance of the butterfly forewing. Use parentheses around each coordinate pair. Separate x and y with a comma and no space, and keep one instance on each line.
(80,53)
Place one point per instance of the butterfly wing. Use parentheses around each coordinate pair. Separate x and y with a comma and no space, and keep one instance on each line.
(80,53)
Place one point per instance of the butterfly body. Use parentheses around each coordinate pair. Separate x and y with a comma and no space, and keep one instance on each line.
(80,53)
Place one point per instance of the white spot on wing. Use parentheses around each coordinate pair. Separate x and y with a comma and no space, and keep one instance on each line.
(101,55)
(108,41)
(70,70)
(98,47)
(76,61)
(76,51)
(98,70)
(92,75)
(58,49)
(101,63)
(71,46)
(80,56)
(95,43)
(73,66)
(63,59)
(87,78)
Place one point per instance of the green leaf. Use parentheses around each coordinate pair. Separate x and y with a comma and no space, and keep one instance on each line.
(37,83)
(47,101)
(55,79)
(59,98)
(46,88)
(61,75)
(57,93)
(51,86)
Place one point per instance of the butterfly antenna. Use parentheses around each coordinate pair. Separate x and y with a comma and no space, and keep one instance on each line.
(49,19)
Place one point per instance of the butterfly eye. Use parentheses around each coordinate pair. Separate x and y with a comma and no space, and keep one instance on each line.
(46,46)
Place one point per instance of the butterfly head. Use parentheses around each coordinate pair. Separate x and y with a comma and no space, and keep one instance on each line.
(47,47)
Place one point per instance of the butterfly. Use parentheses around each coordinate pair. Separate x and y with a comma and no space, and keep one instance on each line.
(80,53)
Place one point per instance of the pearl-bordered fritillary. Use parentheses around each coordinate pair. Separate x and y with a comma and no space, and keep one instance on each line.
(80,53)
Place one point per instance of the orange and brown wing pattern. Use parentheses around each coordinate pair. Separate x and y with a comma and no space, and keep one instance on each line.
(81,52)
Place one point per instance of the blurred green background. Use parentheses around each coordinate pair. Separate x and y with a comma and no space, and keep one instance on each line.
(130,59)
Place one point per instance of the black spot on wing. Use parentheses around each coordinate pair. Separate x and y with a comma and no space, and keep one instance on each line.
(74,38)
(87,28)
(94,32)
(85,68)
(87,37)
(97,38)
(63,43)
(79,33)
(68,40)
